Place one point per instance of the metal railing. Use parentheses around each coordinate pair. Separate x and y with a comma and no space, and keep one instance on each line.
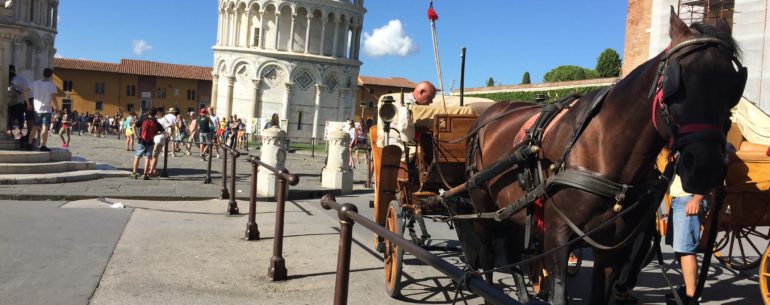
(348,214)
(277,269)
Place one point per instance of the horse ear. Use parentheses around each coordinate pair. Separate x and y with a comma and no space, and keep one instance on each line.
(678,27)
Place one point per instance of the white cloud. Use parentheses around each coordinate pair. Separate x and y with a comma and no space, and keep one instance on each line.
(141,46)
(58,55)
(390,39)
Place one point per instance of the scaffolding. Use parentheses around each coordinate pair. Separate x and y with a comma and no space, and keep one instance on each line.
(692,11)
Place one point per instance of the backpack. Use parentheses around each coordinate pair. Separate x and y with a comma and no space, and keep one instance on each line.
(148,130)
(203,125)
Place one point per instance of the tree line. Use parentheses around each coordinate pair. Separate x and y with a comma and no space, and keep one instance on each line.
(607,65)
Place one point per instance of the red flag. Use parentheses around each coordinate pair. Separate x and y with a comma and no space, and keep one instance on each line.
(432,15)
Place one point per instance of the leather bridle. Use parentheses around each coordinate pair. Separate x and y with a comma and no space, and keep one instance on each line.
(667,83)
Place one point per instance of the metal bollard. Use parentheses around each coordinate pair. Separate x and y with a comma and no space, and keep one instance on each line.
(312,147)
(343,257)
(232,208)
(277,270)
(223,193)
(208,168)
(252,229)
(368,183)
(164,172)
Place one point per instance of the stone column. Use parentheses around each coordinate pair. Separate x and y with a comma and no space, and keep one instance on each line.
(337,173)
(277,29)
(55,16)
(214,89)
(318,89)
(229,97)
(286,101)
(249,16)
(6,42)
(291,32)
(273,152)
(307,32)
(323,34)
(261,42)
(256,103)
(341,103)
(336,34)
(346,29)
(237,27)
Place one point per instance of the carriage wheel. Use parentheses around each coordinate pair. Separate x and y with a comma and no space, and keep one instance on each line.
(394,255)
(574,267)
(740,247)
(764,276)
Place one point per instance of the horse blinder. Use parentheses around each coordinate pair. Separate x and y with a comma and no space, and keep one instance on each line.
(671,80)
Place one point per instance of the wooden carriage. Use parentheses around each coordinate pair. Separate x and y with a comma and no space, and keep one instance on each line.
(405,173)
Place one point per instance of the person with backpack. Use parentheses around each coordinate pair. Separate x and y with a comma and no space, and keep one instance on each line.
(202,126)
(148,127)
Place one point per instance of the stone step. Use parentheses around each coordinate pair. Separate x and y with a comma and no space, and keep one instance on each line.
(21,156)
(45,168)
(82,175)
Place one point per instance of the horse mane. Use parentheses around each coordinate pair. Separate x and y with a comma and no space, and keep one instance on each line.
(710,30)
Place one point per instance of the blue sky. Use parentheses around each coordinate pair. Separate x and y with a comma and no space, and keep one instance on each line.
(504,38)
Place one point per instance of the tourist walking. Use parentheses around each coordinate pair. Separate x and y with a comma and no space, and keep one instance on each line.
(128,125)
(202,126)
(44,102)
(147,127)
(66,128)
(16,88)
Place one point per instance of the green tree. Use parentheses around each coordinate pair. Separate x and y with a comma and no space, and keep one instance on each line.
(580,74)
(608,64)
(568,73)
(525,79)
(491,82)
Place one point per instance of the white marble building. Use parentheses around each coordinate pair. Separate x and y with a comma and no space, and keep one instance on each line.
(296,58)
(27,35)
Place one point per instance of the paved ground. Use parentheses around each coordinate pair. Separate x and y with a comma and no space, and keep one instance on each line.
(187,252)
(185,181)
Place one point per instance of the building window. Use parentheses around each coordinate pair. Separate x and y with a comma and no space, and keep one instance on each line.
(66,104)
(130,90)
(255,42)
(99,106)
(371,91)
(299,120)
(161,93)
(190,95)
(67,85)
(99,88)
(130,108)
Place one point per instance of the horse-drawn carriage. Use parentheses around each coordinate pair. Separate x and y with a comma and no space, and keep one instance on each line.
(578,170)
(409,172)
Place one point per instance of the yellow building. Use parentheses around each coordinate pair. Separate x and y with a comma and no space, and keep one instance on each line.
(131,85)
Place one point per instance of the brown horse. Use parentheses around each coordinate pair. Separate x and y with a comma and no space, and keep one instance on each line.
(694,84)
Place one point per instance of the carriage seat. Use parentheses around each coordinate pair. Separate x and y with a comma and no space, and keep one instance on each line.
(749,167)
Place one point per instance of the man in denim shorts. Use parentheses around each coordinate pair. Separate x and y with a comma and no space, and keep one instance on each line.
(43,94)
(684,221)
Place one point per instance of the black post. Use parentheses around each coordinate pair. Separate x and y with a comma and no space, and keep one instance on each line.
(164,172)
(343,256)
(208,168)
(223,194)
(232,208)
(368,183)
(252,230)
(462,77)
(312,147)
(277,269)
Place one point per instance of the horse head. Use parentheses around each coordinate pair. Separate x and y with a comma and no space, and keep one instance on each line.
(700,78)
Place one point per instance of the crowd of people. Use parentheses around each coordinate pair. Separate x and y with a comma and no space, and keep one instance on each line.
(147,135)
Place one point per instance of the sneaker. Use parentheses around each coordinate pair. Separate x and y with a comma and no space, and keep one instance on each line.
(203,158)
(133,176)
(145,177)
(43,148)
(66,145)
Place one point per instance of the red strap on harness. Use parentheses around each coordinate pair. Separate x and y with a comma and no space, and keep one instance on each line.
(690,128)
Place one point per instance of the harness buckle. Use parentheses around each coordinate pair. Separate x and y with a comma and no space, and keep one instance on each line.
(619,198)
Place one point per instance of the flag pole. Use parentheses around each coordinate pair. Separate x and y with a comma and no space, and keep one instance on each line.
(433,16)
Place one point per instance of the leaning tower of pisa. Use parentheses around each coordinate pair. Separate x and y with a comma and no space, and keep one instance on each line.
(296,58)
